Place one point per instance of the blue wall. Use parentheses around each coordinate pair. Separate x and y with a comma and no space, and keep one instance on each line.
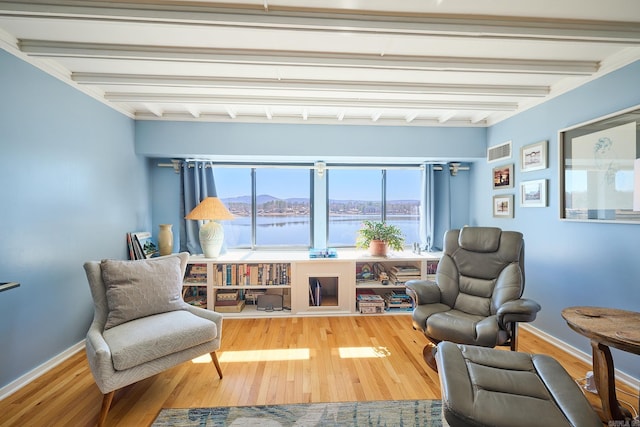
(568,263)
(71,187)
(282,142)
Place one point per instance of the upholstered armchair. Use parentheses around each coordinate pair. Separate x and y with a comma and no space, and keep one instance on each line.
(141,324)
(476,298)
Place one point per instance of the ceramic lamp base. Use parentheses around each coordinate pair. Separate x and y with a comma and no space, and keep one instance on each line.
(211,238)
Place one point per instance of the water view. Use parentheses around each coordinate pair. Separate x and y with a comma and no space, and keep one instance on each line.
(290,225)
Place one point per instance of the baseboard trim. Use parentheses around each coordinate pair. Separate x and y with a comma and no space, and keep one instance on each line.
(623,377)
(36,372)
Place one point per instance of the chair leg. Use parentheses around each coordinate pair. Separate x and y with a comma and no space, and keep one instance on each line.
(429,355)
(514,336)
(214,359)
(106,404)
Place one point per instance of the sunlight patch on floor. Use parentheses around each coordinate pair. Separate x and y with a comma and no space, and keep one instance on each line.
(264,355)
(363,352)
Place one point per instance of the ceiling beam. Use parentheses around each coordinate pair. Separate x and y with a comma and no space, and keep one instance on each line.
(172,98)
(318,20)
(294,58)
(310,85)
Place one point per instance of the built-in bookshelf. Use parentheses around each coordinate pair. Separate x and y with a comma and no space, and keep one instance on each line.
(234,282)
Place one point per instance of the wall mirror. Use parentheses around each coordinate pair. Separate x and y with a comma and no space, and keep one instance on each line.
(600,169)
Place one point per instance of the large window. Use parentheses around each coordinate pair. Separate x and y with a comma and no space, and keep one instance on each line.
(402,202)
(272,206)
(392,195)
(283,207)
(234,189)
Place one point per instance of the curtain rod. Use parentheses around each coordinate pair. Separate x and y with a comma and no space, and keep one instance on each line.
(454,167)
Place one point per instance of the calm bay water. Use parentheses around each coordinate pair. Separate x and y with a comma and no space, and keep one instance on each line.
(294,230)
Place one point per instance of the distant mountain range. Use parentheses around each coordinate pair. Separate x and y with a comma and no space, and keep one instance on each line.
(265,198)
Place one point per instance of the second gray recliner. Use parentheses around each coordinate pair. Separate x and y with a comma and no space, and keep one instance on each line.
(476,298)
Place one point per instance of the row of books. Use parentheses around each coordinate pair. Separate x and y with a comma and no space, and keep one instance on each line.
(141,245)
(252,274)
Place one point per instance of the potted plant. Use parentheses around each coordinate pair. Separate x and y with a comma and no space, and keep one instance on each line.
(377,236)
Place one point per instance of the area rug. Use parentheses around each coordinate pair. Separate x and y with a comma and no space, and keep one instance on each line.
(405,413)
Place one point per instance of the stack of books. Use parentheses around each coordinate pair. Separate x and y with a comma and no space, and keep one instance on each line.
(398,301)
(399,274)
(229,302)
(369,301)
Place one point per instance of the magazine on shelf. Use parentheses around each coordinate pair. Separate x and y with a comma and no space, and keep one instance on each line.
(141,245)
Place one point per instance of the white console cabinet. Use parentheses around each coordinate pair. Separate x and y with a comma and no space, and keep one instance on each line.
(232,283)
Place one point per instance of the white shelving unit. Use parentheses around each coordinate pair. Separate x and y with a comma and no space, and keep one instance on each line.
(290,274)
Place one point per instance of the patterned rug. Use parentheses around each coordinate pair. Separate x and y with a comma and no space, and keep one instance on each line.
(405,413)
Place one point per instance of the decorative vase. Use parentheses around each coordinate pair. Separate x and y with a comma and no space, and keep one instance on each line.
(378,248)
(165,239)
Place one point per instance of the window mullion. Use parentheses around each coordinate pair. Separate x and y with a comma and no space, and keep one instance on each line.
(384,194)
(254,210)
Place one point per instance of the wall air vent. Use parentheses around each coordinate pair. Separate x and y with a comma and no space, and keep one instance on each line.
(499,152)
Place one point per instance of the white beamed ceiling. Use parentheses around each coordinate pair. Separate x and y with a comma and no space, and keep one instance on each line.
(412,62)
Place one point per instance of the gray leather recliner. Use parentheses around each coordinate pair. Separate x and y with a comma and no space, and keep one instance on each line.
(476,298)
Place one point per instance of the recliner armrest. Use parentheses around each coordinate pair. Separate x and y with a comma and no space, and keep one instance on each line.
(520,310)
(423,291)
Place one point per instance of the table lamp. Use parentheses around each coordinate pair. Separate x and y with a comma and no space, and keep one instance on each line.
(211,233)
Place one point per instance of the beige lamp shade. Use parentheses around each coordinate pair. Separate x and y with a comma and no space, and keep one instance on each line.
(210,208)
(211,233)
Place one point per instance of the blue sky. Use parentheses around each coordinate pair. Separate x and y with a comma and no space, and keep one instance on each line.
(363,184)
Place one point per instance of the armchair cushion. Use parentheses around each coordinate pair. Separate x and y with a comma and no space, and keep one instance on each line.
(143,340)
(458,326)
(136,289)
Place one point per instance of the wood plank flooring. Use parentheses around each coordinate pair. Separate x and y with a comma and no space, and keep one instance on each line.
(264,361)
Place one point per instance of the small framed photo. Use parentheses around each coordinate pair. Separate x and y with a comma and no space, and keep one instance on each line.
(533,157)
(503,206)
(503,177)
(533,194)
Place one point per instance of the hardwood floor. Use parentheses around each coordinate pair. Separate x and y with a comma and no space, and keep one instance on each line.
(264,361)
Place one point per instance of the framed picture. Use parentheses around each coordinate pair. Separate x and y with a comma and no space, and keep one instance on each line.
(503,177)
(533,156)
(503,206)
(533,194)
(597,177)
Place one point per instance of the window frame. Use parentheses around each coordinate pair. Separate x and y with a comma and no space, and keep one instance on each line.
(384,168)
(254,214)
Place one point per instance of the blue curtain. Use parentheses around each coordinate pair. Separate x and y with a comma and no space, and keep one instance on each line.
(196,183)
(443,209)
(435,216)
(427,210)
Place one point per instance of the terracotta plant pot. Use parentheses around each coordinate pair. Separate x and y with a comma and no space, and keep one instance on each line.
(378,248)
